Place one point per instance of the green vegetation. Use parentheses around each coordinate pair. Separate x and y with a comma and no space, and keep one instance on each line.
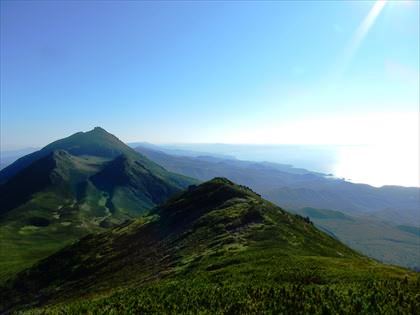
(61,196)
(97,142)
(23,242)
(370,297)
(217,247)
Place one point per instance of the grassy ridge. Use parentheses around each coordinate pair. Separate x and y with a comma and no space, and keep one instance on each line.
(217,237)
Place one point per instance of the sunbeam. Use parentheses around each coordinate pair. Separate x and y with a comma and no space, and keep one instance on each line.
(360,35)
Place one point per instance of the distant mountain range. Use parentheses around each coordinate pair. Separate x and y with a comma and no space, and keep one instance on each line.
(375,214)
(214,248)
(296,188)
(80,184)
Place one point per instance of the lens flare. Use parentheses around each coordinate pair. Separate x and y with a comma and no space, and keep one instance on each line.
(365,26)
(359,36)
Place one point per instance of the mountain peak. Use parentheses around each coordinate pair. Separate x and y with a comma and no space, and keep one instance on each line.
(99,129)
(222,181)
(96,142)
(198,200)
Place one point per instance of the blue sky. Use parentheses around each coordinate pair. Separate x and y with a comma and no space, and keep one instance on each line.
(234,72)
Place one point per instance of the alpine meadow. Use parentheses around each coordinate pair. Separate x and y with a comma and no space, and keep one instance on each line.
(210,157)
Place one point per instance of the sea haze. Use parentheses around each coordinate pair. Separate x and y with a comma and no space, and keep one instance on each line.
(376,165)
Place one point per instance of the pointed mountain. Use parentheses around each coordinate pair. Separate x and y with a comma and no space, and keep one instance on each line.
(215,237)
(86,153)
(74,186)
(97,142)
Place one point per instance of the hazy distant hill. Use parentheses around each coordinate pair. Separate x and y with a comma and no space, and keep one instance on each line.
(261,175)
(299,188)
(398,245)
(216,248)
(173,150)
(294,188)
(83,183)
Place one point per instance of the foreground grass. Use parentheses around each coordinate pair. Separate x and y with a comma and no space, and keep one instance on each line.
(192,297)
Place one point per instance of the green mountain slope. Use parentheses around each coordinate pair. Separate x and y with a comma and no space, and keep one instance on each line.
(61,196)
(58,171)
(218,247)
(97,142)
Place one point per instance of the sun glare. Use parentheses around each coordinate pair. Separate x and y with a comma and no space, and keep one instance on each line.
(358,37)
(367,24)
